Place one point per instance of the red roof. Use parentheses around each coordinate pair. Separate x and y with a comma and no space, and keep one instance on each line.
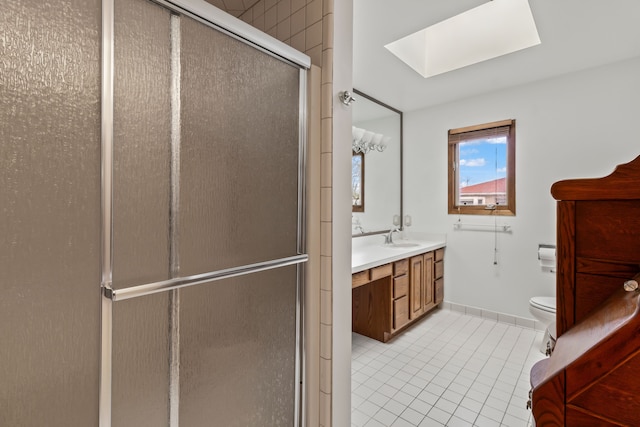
(489,187)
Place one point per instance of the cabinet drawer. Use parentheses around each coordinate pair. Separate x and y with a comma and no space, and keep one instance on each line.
(360,278)
(439,269)
(400,312)
(439,297)
(401,267)
(382,271)
(400,286)
(439,254)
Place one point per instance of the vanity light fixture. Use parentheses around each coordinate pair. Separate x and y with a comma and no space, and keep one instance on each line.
(490,30)
(364,141)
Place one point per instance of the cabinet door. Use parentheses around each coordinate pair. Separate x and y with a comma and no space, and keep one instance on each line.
(428,282)
(401,300)
(439,292)
(416,274)
(400,286)
(400,312)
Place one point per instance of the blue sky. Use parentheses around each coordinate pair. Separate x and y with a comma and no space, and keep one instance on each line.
(478,160)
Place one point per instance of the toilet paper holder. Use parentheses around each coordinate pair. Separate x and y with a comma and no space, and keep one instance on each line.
(546,258)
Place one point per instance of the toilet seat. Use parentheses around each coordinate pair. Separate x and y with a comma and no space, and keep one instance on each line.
(547,304)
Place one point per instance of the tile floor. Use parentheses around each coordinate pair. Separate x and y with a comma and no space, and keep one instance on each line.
(451,369)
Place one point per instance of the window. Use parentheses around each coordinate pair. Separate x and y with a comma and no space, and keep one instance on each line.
(482,170)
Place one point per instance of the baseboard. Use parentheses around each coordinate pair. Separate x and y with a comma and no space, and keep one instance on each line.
(493,315)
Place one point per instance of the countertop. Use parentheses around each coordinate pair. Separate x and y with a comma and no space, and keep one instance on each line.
(370,251)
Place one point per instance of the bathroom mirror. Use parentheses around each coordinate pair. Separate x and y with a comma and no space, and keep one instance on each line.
(376,166)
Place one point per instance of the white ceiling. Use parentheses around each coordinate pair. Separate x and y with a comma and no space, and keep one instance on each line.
(575,35)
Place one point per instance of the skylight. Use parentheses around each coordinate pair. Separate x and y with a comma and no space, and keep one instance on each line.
(493,29)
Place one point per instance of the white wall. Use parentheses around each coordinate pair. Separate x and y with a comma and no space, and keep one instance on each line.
(571,126)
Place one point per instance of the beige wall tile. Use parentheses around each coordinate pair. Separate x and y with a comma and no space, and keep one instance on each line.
(326,108)
(273,32)
(314,34)
(234,4)
(325,204)
(268,4)
(284,29)
(327,31)
(325,341)
(325,172)
(314,53)
(325,410)
(327,7)
(326,135)
(258,8)
(325,375)
(218,3)
(297,5)
(314,11)
(258,22)
(270,18)
(284,10)
(247,16)
(297,41)
(327,70)
(325,308)
(325,273)
(325,236)
(298,22)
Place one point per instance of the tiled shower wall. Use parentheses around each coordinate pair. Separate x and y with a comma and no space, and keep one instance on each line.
(307,25)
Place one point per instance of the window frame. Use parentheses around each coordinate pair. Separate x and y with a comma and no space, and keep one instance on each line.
(454,137)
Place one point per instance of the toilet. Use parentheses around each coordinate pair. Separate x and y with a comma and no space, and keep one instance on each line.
(544,310)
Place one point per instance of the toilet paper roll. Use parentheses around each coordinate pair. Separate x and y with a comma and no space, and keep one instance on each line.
(547,257)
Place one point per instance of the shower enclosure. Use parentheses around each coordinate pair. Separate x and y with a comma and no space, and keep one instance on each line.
(152,163)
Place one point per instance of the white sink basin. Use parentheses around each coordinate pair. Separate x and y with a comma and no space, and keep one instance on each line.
(403,245)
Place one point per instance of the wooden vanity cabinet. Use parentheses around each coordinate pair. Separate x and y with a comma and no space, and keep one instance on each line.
(421,284)
(388,298)
(426,282)
(438,293)
(400,300)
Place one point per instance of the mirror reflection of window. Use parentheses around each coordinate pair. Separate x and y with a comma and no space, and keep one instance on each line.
(357,181)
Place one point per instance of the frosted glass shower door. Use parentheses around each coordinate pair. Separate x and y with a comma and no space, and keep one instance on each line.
(204,303)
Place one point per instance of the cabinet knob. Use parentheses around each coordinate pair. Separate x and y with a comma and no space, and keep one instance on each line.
(631,285)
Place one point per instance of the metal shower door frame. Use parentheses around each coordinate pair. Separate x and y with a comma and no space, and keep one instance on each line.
(221,21)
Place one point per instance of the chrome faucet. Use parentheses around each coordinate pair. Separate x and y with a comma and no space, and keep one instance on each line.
(388,238)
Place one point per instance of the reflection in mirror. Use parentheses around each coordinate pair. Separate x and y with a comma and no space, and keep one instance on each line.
(376,165)
(357,181)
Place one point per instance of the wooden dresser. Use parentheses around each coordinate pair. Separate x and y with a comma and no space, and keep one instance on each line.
(598,240)
(593,376)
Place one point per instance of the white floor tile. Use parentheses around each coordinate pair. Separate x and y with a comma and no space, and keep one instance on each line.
(359,418)
(395,407)
(379,399)
(465,414)
(399,422)
(439,415)
(413,416)
(385,417)
(452,369)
